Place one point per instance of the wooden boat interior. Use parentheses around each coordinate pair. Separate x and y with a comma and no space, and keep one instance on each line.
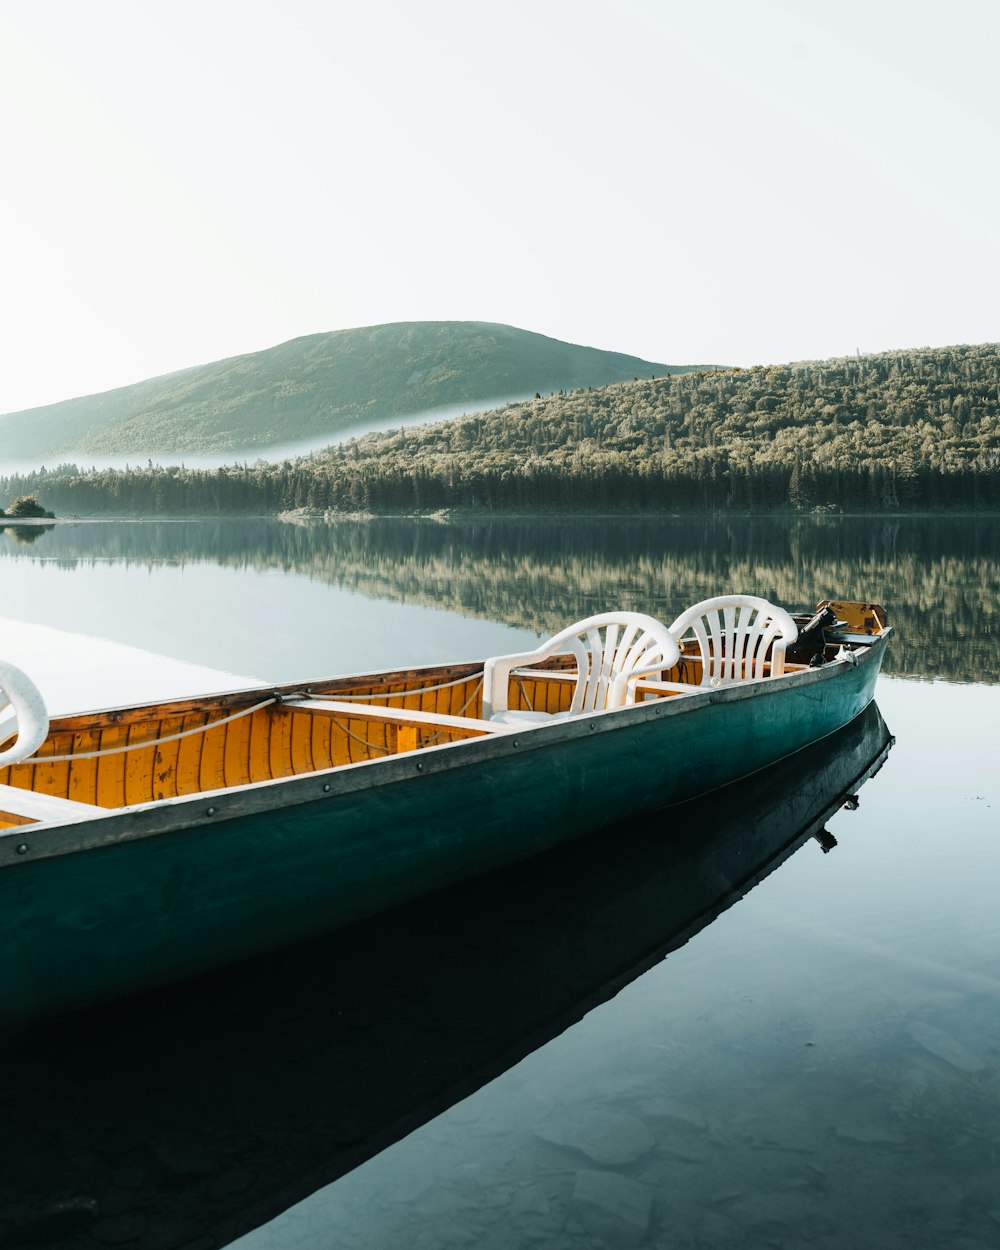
(105,760)
(292,731)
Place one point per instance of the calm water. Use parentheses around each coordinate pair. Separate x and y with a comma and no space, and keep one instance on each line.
(819,1066)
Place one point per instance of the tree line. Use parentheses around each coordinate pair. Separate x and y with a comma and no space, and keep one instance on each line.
(903,431)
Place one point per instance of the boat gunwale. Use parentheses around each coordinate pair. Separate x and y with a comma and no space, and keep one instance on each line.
(205,808)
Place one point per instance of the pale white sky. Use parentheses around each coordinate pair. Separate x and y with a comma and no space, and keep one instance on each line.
(730,181)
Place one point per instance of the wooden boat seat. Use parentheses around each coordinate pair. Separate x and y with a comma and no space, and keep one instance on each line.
(641,686)
(397,715)
(44,807)
(653,685)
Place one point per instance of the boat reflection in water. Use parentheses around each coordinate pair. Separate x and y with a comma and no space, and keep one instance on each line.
(192,1115)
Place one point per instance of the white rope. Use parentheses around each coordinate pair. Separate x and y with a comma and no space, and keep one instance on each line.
(215,724)
(375,746)
(524,695)
(405,694)
(372,746)
(150,742)
(461,712)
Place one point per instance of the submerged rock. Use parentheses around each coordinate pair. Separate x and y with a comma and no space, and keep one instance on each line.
(608,1137)
(677,1115)
(717,1229)
(611,1207)
(792,1217)
(44,1224)
(119,1230)
(184,1157)
(869,1133)
(941,1044)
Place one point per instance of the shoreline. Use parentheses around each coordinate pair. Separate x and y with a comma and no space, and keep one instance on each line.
(456,515)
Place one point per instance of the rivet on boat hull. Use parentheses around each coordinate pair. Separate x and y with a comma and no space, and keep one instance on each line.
(326,788)
(210,811)
(22,849)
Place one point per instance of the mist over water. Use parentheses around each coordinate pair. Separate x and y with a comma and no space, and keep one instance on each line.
(273,455)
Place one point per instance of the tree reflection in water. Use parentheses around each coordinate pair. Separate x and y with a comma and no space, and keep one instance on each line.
(938,577)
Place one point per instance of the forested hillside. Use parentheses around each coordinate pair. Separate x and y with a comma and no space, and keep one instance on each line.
(313,388)
(898,430)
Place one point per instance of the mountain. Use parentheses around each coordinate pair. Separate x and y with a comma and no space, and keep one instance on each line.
(315,388)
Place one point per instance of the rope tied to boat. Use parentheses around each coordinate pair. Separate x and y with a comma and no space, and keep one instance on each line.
(150,742)
(405,694)
(428,741)
(257,707)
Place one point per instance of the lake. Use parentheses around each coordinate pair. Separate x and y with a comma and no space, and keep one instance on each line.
(701,1032)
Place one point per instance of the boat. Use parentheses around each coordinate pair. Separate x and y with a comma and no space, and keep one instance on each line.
(162,1120)
(143,845)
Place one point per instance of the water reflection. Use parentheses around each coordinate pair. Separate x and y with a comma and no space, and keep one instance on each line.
(191,1116)
(940,578)
(24,534)
(817,1068)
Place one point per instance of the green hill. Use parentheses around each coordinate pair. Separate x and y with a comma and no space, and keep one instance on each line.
(906,430)
(315,388)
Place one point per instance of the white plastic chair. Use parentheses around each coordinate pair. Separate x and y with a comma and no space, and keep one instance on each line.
(740,638)
(22,712)
(611,651)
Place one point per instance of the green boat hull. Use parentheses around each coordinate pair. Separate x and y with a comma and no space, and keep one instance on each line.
(106,908)
(431,1001)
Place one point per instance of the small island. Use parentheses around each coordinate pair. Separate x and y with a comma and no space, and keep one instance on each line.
(26,508)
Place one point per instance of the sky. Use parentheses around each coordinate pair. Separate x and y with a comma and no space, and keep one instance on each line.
(728,182)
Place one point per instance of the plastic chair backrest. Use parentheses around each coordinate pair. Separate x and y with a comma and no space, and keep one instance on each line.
(611,649)
(740,638)
(22,711)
